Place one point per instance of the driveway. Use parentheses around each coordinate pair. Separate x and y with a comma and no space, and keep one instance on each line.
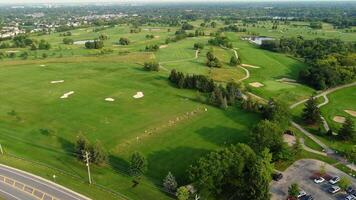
(301,172)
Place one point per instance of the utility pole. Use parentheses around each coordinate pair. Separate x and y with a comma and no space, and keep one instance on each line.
(86,157)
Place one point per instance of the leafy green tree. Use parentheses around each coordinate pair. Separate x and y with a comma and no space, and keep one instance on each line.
(68,41)
(344,183)
(198,46)
(233,173)
(138,165)
(182,193)
(311,112)
(278,112)
(267,134)
(293,190)
(347,132)
(81,146)
(234,61)
(98,154)
(124,41)
(170,183)
(151,66)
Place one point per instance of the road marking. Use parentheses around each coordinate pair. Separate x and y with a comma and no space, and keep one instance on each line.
(9,194)
(6,180)
(43,183)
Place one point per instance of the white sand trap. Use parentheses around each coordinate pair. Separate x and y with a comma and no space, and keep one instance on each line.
(12,51)
(42,65)
(351,112)
(256,84)
(247,65)
(163,46)
(60,81)
(66,95)
(287,80)
(157,36)
(110,99)
(138,95)
(339,119)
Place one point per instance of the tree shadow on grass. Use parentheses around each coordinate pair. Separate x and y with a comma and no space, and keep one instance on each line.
(118,164)
(175,160)
(223,136)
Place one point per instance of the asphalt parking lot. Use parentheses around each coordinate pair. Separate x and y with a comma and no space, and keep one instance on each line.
(301,172)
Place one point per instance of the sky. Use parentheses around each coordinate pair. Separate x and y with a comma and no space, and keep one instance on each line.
(118,1)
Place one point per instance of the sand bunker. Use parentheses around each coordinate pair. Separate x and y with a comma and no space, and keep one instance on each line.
(256,84)
(42,65)
(157,36)
(163,46)
(60,81)
(287,80)
(138,95)
(252,66)
(66,95)
(12,51)
(110,99)
(351,112)
(339,119)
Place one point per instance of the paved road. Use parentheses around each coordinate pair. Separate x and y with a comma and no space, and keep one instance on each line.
(326,92)
(302,172)
(20,185)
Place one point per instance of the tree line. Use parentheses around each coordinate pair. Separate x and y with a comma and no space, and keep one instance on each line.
(331,61)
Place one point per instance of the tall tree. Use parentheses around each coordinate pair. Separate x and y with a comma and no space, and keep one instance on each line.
(81,145)
(138,165)
(232,173)
(170,183)
(98,154)
(347,132)
(267,134)
(311,112)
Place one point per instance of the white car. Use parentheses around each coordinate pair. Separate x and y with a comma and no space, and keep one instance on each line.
(302,193)
(350,197)
(334,180)
(319,180)
(334,189)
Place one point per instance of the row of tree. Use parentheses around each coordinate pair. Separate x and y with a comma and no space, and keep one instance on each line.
(331,61)
(218,95)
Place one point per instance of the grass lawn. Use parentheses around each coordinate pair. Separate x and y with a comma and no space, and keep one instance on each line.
(272,66)
(31,103)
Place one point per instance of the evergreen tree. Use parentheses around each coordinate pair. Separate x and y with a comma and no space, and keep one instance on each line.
(311,112)
(138,165)
(81,145)
(170,183)
(347,132)
(98,154)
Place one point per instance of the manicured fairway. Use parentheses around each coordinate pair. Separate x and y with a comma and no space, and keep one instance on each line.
(340,101)
(272,67)
(31,104)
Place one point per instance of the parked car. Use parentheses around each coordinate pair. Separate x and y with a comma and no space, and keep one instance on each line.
(319,180)
(350,197)
(334,180)
(277,176)
(334,189)
(308,197)
(302,193)
(350,190)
